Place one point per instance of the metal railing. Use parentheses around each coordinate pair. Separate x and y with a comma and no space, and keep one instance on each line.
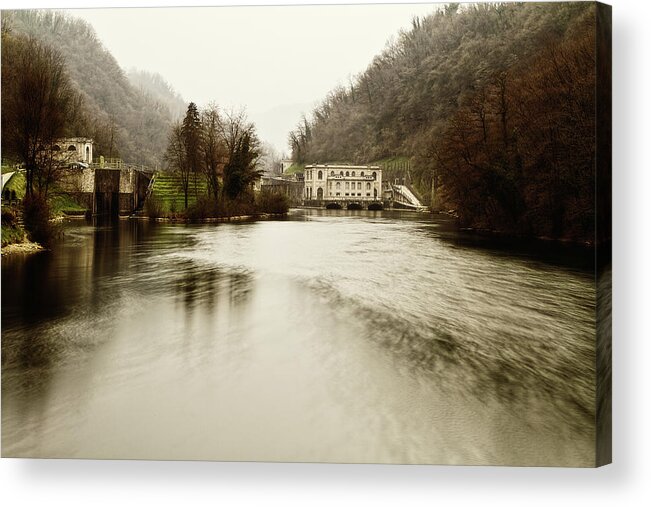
(119,164)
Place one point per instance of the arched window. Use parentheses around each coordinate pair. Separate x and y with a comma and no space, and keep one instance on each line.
(72,147)
(320,175)
(353,173)
(359,185)
(374,175)
(347,173)
(319,194)
(368,186)
(87,154)
(341,173)
(362,173)
(332,173)
(338,184)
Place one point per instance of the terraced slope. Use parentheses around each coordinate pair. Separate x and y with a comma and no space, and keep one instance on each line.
(168,189)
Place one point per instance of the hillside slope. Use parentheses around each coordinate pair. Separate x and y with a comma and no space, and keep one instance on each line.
(493,104)
(124,120)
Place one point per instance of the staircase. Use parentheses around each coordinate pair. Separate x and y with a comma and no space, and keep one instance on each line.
(404,196)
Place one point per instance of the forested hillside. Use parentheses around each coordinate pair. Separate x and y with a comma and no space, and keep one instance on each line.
(494,106)
(154,85)
(125,121)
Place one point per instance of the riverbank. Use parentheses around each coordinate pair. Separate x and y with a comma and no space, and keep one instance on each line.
(509,236)
(209,220)
(24,247)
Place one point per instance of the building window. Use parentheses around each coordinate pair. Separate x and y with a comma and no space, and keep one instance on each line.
(338,185)
(332,173)
(347,173)
(341,173)
(368,194)
(72,148)
(338,193)
(320,175)
(362,173)
(374,175)
(359,185)
(359,194)
(368,186)
(353,173)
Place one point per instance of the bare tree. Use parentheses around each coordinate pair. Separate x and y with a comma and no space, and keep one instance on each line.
(214,152)
(36,99)
(176,158)
(53,162)
(270,159)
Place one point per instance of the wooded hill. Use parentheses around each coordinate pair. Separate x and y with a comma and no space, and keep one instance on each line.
(128,121)
(494,104)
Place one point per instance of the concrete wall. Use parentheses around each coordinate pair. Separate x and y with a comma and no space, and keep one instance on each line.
(128,185)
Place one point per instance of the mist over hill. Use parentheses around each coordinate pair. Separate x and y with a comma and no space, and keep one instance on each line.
(128,115)
(157,88)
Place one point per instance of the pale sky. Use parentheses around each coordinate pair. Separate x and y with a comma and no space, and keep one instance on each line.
(274,61)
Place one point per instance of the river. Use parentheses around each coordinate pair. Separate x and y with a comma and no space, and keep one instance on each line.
(333,336)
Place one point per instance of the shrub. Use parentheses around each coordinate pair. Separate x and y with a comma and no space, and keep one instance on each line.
(9,218)
(36,217)
(204,207)
(11,230)
(154,207)
(272,202)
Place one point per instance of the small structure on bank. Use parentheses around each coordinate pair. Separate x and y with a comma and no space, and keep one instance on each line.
(285,164)
(290,186)
(343,186)
(74,150)
(103,186)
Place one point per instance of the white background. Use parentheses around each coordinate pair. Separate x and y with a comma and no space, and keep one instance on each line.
(626,482)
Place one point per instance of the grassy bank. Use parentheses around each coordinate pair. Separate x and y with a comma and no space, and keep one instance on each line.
(167,193)
(204,207)
(12,234)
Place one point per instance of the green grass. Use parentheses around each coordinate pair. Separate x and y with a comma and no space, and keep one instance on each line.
(63,203)
(169,191)
(391,163)
(295,168)
(11,235)
(17,183)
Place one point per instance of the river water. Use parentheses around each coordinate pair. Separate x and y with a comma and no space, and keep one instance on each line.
(328,336)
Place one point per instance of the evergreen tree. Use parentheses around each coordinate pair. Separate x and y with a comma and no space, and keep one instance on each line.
(191,130)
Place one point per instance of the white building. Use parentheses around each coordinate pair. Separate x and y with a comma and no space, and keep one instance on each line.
(74,149)
(343,184)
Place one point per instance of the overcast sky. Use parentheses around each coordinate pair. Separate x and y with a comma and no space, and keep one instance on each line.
(275,61)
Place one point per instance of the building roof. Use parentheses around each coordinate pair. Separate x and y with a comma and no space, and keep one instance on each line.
(84,140)
(337,166)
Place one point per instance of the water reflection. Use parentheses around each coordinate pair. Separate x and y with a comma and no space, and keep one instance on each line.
(329,336)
